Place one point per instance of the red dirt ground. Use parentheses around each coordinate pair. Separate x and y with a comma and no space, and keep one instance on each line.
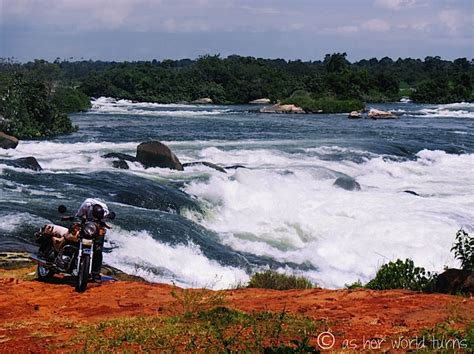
(31,310)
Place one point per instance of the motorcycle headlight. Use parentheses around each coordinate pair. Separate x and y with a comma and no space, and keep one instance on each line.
(90,229)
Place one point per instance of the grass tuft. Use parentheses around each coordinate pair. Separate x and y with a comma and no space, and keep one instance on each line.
(277,281)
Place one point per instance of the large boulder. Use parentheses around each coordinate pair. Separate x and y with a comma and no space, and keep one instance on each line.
(378,114)
(455,281)
(29,163)
(282,108)
(347,183)
(205,100)
(8,141)
(156,154)
(261,101)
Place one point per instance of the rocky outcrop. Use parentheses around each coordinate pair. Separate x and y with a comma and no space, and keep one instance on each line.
(261,101)
(354,115)
(282,108)
(347,183)
(120,156)
(205,163)
(120,164)
(29,163)
(8,141)
(156,154)
(378,114)
(205,100)
(455,281)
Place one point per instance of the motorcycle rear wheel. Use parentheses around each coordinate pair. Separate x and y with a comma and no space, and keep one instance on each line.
(43,273)
(83,275)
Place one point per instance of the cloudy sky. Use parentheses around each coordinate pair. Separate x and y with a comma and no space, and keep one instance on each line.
(290,29)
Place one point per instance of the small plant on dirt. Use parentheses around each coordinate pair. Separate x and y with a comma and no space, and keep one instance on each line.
(277,281)
(356,285)
(464,250)
(402,275)
(446,339)
(189,302)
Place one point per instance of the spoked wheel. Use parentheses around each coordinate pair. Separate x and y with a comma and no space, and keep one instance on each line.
(83,276)
(44,274)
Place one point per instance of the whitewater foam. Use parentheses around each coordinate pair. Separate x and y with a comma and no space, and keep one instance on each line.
(137,253)
(301,217)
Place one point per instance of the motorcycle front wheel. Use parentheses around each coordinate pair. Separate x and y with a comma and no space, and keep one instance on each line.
(44,274)
(83,275)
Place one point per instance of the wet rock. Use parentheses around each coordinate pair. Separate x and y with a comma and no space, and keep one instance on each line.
(156,154)
(234,167)
(205,163)
(121,164)
(411,192)
(29,163)
(347,183)
(378,114)
(8,141)
(261,101)
(120,156)
(455,281)
(205,100)
(354,115)
(282,108)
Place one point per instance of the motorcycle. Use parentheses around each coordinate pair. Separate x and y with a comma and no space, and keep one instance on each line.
(68,251)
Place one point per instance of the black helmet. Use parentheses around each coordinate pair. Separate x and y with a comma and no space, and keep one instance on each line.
(97,212)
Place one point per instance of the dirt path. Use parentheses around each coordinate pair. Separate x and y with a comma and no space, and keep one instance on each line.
(34,315)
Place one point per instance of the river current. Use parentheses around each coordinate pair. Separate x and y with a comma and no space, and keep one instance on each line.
(204,228)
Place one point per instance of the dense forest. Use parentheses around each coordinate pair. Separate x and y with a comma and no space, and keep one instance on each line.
(36,96)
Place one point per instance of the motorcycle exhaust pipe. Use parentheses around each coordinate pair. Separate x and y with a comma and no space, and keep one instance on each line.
(38,260)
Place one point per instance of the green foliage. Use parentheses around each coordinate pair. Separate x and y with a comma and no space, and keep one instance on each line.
(464,249)
(448,339)
(277,281)
(402,275)
(69,100)
(356,285)
(304,100)
(216,330)
(29,110)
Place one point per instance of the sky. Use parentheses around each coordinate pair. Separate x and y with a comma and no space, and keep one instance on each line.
(290,29)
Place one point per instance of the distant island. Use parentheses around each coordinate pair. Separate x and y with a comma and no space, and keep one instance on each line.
(36,96)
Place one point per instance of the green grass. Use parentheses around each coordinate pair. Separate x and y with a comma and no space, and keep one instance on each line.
(277,281)
(219,329)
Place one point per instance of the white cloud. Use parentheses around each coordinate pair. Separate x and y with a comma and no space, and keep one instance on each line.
(376,25)
(395,4)
(452,19)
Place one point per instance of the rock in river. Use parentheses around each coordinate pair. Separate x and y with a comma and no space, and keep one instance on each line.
(29,163)
(8,141)
(156,154)
(378,114)
(347,183)
(282,108)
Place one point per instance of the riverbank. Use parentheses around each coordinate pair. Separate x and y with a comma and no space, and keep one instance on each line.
(132,315)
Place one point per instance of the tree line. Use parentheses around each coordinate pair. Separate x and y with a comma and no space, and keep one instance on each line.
(39,93)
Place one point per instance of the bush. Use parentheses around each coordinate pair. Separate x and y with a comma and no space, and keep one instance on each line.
(277,281)
(464,249)
(70,100)
(324,105)
(402,275)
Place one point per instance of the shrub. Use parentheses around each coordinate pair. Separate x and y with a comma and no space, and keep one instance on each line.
(324,104)
(277,281)
(402,275)
(464,249)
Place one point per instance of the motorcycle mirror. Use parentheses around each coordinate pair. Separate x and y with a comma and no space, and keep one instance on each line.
(111,215)
(62,209)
